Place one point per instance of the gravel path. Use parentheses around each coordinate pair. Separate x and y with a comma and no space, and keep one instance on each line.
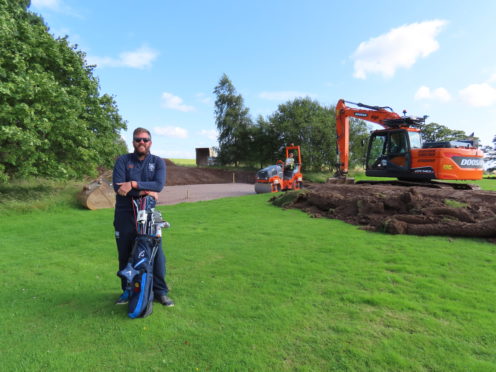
(193,193)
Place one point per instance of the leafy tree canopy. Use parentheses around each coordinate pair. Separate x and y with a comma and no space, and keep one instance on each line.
(434,132)
(302,122)
(307,123)
(53,121)
(233,123)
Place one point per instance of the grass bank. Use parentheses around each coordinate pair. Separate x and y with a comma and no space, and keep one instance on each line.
(25,196)
(256,288)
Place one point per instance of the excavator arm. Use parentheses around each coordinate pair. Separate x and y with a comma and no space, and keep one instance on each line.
(375,114)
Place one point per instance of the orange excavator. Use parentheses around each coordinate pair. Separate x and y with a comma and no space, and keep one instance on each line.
(397,149)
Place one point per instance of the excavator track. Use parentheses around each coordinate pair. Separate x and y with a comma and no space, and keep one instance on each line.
(431,184)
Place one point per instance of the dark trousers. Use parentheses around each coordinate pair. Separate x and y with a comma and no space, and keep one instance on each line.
(125,234)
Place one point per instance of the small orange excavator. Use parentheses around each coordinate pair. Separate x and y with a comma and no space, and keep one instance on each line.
(283,175)
(397,149)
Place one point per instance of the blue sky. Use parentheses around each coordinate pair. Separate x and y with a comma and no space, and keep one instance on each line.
(161,59)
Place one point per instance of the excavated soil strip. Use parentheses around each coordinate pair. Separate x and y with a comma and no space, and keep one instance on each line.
(178,175)
(193,193)
(190,184)
(400,210)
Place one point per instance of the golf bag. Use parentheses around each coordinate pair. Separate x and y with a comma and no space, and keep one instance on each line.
(138,273)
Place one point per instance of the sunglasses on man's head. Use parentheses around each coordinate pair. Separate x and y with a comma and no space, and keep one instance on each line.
(138,139)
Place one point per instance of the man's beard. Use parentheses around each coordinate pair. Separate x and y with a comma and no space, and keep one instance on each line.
(137,151)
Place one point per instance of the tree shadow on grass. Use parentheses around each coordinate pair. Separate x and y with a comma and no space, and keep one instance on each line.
(74,305)
(24,192)
(25,196)
(90,305)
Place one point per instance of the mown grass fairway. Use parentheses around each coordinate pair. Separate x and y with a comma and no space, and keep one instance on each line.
(257,288)
(184,162)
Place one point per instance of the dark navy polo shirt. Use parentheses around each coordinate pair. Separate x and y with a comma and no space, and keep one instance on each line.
(149,173)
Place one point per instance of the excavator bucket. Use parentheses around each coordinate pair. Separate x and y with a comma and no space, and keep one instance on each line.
(98,194)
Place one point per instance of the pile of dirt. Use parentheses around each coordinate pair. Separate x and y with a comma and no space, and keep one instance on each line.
(179,175)
(400,210)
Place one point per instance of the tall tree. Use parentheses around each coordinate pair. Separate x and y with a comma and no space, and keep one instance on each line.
(359,135)
(53,120)
(236,134)
(434,132)
(306,123)
(266,145)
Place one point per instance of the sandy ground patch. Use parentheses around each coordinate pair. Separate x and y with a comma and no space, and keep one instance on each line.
(193,193)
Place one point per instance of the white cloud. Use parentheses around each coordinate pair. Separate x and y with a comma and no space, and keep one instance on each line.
(284,95)
(63,31)
(479,95)
(438,94)
(399,48)
(55,6)
(203,98)
(174,154)
(492,78)
(103,61)
(173,102)
(174,132)
(50,4)
(140,58)
(209,133)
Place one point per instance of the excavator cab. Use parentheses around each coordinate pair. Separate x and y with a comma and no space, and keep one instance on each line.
(389,152)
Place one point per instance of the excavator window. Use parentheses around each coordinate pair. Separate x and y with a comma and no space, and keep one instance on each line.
(397,143)
(415,140)
(389,151)
(377,149)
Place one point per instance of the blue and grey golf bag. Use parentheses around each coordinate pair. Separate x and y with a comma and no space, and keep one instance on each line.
(139,270)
